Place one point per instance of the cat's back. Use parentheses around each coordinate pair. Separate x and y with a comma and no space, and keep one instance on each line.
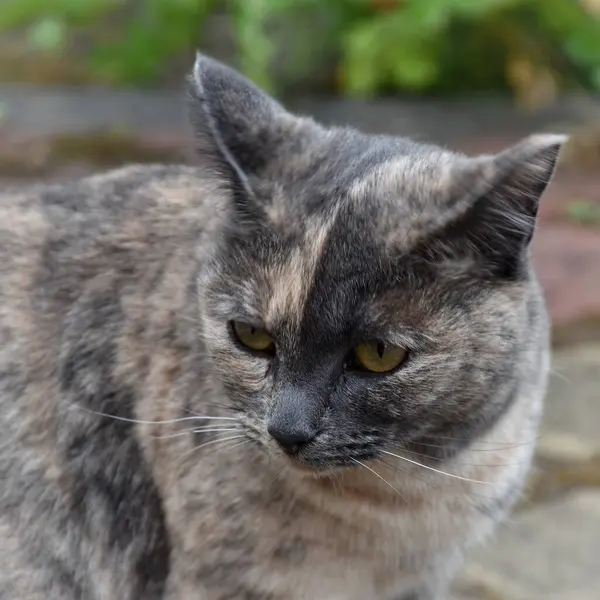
(67,248)
(121,221)
(157,199)
(89,271)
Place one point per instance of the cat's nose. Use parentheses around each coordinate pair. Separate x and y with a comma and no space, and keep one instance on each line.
(291,439)
(295,417)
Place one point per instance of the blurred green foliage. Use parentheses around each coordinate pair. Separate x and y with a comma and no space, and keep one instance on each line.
(582,211)
(531,47)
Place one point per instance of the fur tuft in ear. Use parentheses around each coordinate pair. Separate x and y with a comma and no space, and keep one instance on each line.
(521,174)
(237,127)
(496,199)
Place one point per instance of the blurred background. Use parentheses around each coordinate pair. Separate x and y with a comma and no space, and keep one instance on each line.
(92,84)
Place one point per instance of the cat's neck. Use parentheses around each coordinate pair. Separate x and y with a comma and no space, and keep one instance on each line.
(353,491)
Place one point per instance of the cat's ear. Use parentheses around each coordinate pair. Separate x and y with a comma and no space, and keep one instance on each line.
(497,198)
(237,127)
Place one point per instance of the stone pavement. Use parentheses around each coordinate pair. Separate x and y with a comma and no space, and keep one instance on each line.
(550,549)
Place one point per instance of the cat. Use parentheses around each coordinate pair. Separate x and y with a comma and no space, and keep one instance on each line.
(310,367)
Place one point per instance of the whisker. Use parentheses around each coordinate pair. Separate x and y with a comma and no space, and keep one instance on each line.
(275,479)
(561,376)
(499,445)
(227,439)
(171,435)
(238,444)
(188,431)
(141,422)
(211,425)
(195,414)
(358,462)
(418,464)
(215,404)
(442,489)
(487,442)
(442,458)
(337,486)
(203,430)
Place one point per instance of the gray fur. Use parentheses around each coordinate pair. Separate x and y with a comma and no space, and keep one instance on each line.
(116,294)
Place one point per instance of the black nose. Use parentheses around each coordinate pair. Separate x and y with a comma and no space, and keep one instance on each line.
(290,438)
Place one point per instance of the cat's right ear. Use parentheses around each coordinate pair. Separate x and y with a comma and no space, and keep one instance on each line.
(495,202)
(238,128)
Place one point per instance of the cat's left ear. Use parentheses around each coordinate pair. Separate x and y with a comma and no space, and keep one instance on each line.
(238,127)
(500,196)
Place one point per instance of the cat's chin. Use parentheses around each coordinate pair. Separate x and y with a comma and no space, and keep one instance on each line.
(298,466)
(306,470)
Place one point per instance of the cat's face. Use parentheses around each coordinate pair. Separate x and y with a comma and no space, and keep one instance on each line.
(365,293)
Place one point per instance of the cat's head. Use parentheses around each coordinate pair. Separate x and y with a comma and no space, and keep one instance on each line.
(365,292)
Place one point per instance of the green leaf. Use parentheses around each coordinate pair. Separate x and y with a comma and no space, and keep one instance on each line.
(362,50)
(429,15)
(583,44)
(47,35)
(583,211)
(560,16)
(255,47)
(416,70)
(481,8)
(595,78)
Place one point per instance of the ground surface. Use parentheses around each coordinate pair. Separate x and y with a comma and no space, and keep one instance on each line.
(551,547)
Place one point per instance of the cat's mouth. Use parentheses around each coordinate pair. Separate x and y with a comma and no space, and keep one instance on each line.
(326,453)
(305,469)
(309,462)
(308,470)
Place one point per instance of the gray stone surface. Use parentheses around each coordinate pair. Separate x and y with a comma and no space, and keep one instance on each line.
(552,551)
(35,110)
(573,404)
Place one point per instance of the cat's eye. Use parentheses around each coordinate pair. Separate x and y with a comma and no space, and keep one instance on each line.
(252,337)
(379,357)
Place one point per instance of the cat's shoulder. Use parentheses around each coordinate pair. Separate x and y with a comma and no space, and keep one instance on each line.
(160,195)
(131,219)
(124,185)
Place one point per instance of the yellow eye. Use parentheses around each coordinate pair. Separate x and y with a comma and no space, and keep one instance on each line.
(252,337)
(378,357)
